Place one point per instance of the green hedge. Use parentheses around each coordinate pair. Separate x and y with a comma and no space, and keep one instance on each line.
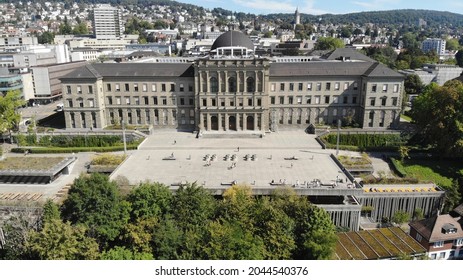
(64,141)
(364,141)
(398,168)
(58,150)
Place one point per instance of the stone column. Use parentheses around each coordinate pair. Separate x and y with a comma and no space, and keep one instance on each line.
(256,125)
(245,121)
(227,121)
(219,120)
(208,122)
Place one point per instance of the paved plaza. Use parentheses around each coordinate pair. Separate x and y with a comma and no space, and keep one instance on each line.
(290,158)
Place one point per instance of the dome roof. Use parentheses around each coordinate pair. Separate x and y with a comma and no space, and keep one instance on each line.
(233,39)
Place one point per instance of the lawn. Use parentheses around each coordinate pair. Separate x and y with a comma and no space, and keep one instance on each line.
(405,117)
(29,163)
(440,172)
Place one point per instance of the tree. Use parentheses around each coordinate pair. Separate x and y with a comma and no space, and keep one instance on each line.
(80,29)
(400,217)
(62,241)
(95,202)
(418,214)
(328,43)
(16,230)
(231,241)
(437,112)
(452,45)
(65,28)
(314,232)
(9,116)
(50,211)
(46,37)
(150,200)
(413,84)
(122,253)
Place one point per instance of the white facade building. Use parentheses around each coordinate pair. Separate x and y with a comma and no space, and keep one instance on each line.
(107,22)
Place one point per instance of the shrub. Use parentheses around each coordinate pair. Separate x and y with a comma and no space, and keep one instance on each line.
(108,159)
(364,141)
(398,168)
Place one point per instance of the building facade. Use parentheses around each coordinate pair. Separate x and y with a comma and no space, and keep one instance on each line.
(434,44)
(441,235)
(233,91)
(107,22)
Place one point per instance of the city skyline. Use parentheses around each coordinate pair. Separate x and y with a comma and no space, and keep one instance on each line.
(317,7)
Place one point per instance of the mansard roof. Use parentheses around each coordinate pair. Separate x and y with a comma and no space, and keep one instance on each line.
(128,70)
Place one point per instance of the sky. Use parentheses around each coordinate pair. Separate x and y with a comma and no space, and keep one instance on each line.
(317,7)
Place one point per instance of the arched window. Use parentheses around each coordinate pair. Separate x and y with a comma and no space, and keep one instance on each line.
(214,84)
(232,84)
(250,84)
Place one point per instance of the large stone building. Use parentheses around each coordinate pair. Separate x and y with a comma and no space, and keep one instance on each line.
(234,91)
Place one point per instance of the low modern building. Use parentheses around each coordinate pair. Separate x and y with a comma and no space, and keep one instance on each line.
(234,91)
(435,73)
(441,235)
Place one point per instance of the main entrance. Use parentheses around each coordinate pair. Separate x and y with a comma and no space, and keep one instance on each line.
(214,123)
(232,123)
(250,123)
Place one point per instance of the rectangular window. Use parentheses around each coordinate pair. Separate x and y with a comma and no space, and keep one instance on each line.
(317,99)
(191,101)
(459,242)
(90,89)
(135,87)
(137,100)
(328,86)
(346,85)
(299,100)
(249,101)
(282,86)
(319,86)
(259,102)
(394,101)
(144,87)
(164,101)
(327,99)
(418,237)
(232,102)
(308,99)
(68,89)
(204,102)
(182,101)
(374,88)
(70,103)
(145,100)
(91,103)
(345,99)
(356,86)
(354,99)
(172,87)
(108,87)
(309,86)
(335,99)
(118,100)
(272,100)
(127,100)
(290,100)
(118,87)
(291,86)
(79,89)
(222,102)
(214,103)
(240,102)
(438,244)
(155,100)
(153,87)
(372,101)
(181,88)
(127,87)
(282,100)
(384,88)
(442,255)
(190,87)
(336,86)
(163,87)
(300,87)
(81,102)
(396,88)
(272,87)
(383,101)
